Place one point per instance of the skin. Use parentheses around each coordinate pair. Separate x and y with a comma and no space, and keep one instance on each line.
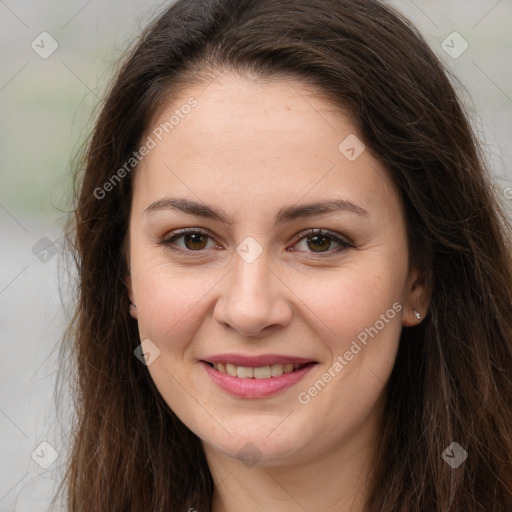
(249,148)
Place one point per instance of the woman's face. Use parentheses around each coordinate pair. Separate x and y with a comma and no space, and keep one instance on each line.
(248,169)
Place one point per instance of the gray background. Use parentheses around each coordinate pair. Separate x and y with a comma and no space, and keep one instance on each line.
(46,110)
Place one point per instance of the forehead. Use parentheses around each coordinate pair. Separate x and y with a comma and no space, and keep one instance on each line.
(242,140)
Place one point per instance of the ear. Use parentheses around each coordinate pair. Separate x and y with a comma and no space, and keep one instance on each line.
(417,297)
(133,306)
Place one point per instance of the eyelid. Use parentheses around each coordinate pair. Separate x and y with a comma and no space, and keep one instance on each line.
(343,242)
(170,237)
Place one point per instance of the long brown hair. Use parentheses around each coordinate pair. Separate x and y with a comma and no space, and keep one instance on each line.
(452,381)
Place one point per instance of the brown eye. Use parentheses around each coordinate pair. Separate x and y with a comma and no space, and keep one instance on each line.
(318,243)
(195,241)
(188,241)
(321,242)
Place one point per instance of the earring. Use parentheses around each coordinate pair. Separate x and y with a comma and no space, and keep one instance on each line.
(133,307)
(417,315)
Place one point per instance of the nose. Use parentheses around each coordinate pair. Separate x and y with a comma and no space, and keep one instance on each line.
(253,298)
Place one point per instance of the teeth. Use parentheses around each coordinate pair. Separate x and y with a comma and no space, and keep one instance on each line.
(230,369)
(244,372)
(261,372)
(276,370)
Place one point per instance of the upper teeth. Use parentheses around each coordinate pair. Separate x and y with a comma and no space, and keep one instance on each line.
(260,372)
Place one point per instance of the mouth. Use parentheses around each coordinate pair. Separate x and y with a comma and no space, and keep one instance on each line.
(258,372)
(256,377)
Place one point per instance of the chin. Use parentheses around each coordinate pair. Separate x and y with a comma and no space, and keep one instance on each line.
(254,444)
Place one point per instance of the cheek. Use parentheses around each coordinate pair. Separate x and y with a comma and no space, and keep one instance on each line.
(169,301)
(344,303)
(357,313)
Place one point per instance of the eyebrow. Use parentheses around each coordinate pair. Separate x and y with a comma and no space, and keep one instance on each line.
(285,214)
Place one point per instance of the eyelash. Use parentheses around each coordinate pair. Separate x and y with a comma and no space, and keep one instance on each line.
(168,240)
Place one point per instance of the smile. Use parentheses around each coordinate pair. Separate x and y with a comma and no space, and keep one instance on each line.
(260,372)
(255,381)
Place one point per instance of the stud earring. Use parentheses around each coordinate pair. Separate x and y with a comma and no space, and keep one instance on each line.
(417,315)
(133,307)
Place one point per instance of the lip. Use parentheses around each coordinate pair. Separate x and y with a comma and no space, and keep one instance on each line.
(256,361)
(256,388)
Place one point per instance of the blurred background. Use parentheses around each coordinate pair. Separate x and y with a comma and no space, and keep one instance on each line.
(57,60)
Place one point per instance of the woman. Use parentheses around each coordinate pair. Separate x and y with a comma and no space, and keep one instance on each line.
(295,280)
